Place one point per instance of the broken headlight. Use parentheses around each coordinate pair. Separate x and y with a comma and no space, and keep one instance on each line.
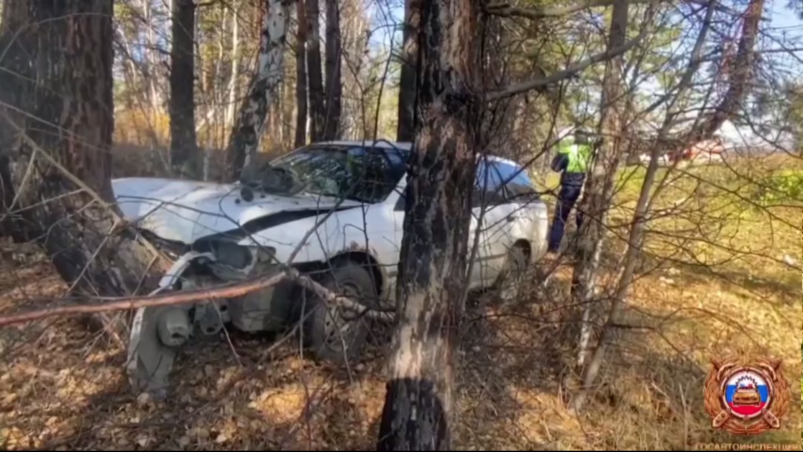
(232,255)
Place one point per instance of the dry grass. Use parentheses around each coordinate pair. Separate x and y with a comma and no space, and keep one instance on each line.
(61,386)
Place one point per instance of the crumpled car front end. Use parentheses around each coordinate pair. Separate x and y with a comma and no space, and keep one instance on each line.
(200,227)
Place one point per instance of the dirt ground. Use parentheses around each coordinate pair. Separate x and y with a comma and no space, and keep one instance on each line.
(63,387)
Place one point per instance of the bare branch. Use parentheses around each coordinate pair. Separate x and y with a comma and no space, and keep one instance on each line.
(535,13)
(109,304)
(566,73)
(124,303)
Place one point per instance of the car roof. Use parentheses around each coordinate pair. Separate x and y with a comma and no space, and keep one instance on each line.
(404,146)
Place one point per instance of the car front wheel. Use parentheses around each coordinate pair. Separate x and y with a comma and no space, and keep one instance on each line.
(334,333)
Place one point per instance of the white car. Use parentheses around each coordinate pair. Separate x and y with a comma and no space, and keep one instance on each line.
(334,211)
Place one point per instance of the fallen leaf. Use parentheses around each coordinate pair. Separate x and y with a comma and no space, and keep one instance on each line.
(144,399)
(143,440)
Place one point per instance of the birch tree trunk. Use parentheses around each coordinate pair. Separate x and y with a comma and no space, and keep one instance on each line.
(152,63)
(301,75)
(67,147)
(231,108)
(183,144)
(334,79)
(317,97)
(432,266)
(262,91)
(600,182)
(407,81)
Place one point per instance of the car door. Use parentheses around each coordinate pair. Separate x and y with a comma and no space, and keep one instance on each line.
(398,201)
(528,214)
(490,223)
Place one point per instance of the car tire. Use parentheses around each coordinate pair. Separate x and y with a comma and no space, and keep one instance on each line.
(322,322)
(512,276)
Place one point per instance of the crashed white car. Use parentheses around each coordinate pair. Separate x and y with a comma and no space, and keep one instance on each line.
(333,211)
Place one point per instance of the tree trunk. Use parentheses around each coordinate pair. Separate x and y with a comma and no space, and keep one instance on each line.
(69,92)
(262,91)
(301,76)
(432,266)
(407,81)
(741,68)
(152,62)
(334,80)
(317,99)
(599,185)
(14,14)
(231,108)
(183,145)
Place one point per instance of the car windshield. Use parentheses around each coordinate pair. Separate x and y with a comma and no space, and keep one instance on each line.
(360,173)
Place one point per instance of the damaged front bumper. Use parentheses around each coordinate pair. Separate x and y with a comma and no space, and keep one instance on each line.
(157,333)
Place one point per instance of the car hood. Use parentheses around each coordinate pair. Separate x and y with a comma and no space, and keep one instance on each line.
(185,211)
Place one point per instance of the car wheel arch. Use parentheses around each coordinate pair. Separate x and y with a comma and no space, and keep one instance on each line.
(525,246)
(363,258)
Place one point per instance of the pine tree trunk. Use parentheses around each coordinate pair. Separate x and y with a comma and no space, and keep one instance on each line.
(262,92)
(334,80)
(72,102)
(301,76)
(407,81)
(183,145)
(432,267)
(317,99)
(743,65)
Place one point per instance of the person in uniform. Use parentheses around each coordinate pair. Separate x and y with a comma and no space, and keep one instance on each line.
(572,161)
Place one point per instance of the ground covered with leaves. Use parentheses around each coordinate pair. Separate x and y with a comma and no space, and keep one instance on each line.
(710,285)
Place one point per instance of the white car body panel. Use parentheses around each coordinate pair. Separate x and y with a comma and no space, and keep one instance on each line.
(187,211)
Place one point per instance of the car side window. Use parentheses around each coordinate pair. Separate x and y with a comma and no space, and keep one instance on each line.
(488,189)
(518,185)
(488,186)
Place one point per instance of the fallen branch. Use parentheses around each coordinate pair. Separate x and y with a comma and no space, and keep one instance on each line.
(109,304)
(331,298)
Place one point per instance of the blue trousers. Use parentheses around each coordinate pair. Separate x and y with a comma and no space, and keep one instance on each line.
(567,198)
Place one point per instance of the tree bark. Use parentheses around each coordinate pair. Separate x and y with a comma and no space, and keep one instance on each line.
(151,60)
(262,91)
(407,82)
(317,99)
(67,147)
(432,266)
(231,108)
(334,80)
(600,182)
(301,76)
(183,145)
